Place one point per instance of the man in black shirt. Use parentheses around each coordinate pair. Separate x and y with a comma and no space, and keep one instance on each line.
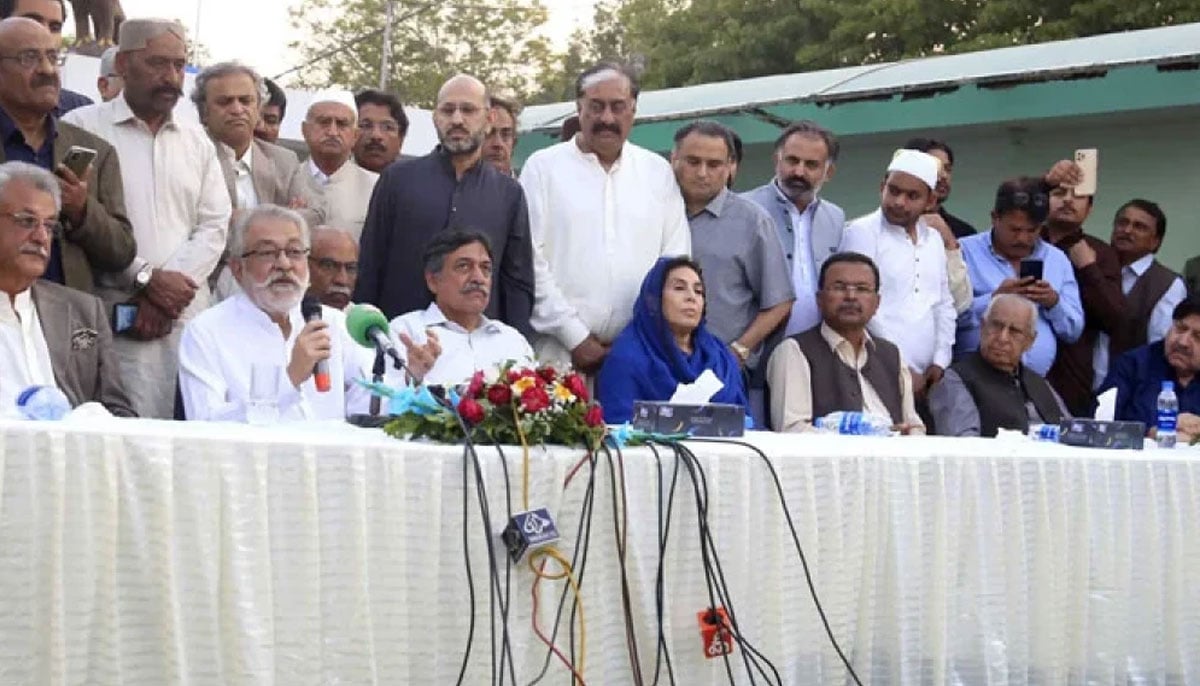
(942,151)
(451,187)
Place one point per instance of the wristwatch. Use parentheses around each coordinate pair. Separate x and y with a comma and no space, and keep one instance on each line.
(742,351)
(142,278)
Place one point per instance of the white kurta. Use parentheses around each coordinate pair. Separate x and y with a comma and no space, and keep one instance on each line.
(916,310)
(489,346)
(24,355)
(220,346)
(596,233)
(177,201)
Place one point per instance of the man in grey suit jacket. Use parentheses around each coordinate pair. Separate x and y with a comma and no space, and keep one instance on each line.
(49,334)
(809,227)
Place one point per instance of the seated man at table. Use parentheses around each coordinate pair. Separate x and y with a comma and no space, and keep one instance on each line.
(838,365)
(262,326)
(451,339)
(50,335)
(1138,374)
(991,389)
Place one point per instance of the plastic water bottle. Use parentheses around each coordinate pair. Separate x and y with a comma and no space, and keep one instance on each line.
(855,424)
(1168,414)
(43,403)
(1047,433)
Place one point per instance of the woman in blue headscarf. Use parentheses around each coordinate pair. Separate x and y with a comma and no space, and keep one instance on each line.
(665,345)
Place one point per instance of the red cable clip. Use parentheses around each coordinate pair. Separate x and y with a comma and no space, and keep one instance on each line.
(715,633)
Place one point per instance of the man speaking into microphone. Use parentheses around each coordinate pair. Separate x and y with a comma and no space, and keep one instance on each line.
(303,355)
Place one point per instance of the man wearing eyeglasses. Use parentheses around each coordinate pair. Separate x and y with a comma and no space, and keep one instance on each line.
(177,202)
(330,130)
(451,187)
(50,14)
(334,266)
(50,335)
(269,249)
(96,233)
(838,366)
(991,389)
(382,126)
(1006,259)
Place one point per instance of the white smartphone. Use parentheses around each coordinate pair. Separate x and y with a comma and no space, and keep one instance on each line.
(1089,162)
(78,158)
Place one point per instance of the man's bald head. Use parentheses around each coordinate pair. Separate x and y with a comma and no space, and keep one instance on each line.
(461,83)
(461,115)
(334,266)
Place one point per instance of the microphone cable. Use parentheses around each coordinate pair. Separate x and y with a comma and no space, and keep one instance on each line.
(812,589)
(620,533)
(661,652)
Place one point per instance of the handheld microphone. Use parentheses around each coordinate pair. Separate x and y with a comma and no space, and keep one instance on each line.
(369,328)
(310,309)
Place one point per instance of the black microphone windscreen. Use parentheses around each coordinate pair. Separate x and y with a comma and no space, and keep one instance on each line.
(310,308)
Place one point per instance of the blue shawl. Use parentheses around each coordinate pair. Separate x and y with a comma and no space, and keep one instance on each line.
(645,363)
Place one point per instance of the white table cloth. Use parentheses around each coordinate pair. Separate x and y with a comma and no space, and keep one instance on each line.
(140,552)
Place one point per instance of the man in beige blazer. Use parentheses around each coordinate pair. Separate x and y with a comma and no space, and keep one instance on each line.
(96,232)
(330,129)
(50,335)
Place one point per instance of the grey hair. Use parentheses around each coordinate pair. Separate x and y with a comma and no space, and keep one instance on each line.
(237,235)
(33,175)
(221,70)
(1022,301)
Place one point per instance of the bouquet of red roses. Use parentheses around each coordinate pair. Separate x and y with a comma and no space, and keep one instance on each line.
(513,405)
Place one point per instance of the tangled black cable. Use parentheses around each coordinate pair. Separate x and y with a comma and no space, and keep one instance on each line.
(620,529)
(799,549)
(661,652)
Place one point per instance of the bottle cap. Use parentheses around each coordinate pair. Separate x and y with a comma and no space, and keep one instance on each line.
(1168,385)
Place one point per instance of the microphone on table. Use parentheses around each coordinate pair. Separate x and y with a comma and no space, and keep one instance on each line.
(369,328)
(310,309)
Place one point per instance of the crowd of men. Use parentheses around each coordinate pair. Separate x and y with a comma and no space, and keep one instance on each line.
(156,274)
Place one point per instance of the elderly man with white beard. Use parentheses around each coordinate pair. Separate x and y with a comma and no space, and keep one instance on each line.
(262,327)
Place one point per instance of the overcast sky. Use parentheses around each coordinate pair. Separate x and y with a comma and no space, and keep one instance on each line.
(257,31)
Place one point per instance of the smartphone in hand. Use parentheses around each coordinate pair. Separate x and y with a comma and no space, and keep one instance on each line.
(78,159)
(1031,268)
(1089,163)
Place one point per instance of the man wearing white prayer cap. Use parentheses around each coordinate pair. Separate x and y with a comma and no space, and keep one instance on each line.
(916,309)
(176,201)
(330,130)
(109,83)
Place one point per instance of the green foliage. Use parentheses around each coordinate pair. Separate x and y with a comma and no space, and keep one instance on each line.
(498,42)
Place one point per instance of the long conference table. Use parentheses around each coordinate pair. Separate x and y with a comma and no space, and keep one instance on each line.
(141,552)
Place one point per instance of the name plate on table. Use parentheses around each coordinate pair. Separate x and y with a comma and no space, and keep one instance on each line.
(1096,433)
(715,420)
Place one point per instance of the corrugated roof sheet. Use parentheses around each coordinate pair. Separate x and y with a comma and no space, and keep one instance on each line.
(1025,62)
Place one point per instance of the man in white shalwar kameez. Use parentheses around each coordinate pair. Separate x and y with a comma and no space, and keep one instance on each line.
(262,326)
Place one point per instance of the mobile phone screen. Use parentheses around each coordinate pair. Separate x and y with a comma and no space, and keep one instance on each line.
(1031,268)
(124,315)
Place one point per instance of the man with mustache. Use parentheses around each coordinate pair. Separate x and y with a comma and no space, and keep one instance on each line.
(450,187)
(51,14)
(989,390)
(330,130)
(994,263)
(809,226)
(916,311)
(602,211)
(1098,272)
(262,325)
(447,342)
(837,365)
(228,97)
(50,335)
(333,264)
(176,200)
(382,126)
(96,233)
(1138,374)
(502,134)
(1151,290)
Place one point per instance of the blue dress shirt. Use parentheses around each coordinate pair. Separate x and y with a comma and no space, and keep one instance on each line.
(17,150)
(1138,375)
(988,269)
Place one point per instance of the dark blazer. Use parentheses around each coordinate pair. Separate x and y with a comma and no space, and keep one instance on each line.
(104,241)
(81,347)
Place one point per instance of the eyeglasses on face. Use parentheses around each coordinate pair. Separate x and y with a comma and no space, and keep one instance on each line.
(30,59)
(843,288)
(998,327)
(293,253)
(468,109)
(332,266)
(30,222)
(389,127)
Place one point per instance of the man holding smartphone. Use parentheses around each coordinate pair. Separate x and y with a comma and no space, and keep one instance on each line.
(96,233)
(995,263)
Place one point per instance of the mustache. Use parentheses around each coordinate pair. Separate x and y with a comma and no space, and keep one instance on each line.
(600,127)
(798,182)
(474,287)
(850,307)
(45,80)
(374,146)
(167,90)
(283,279)
(338,290)
(35,249)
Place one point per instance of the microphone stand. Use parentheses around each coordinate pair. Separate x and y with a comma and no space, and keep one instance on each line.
(377,371)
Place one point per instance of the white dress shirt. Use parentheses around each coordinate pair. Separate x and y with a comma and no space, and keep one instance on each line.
(805,313)
(1160,317)
(916,310)
(243,169)
(219,346)
(464,352)
(24,355)
(175,193)
(596,233)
